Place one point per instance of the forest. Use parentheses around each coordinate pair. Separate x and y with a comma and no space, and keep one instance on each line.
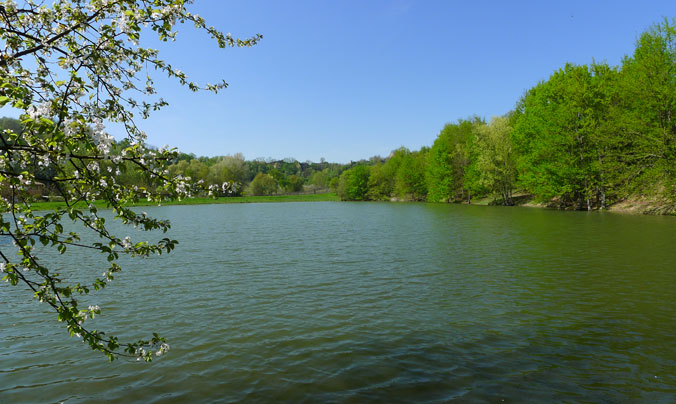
(587,137)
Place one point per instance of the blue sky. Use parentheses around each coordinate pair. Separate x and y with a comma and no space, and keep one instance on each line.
(347,80)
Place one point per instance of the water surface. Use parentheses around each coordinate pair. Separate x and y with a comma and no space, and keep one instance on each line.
(358,302)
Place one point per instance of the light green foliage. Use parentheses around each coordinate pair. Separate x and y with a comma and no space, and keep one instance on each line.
(294,183)
(231,169)
(179,168)
(333,184)
(321,179)
(493,167)
(448,160)
(279,177)
(591,135)
(556,134)
(409,181)
(196,170)
(381,182)
(263,184)
(353,184)
(648,90)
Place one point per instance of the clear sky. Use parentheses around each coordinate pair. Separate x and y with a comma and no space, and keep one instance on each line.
(347,80)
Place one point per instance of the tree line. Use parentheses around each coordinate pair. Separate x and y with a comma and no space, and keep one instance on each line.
(253,177)
(588,136)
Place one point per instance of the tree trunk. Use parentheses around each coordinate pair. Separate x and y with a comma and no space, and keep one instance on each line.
(601,188)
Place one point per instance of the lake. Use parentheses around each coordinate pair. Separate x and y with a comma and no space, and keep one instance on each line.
(369,302)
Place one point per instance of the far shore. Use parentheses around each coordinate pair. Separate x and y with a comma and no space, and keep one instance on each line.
(324,197)
(628,206)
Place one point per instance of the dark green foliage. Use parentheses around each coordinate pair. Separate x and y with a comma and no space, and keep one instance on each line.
(12,124)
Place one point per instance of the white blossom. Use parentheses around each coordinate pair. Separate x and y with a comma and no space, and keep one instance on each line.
(163,349)
(41,110)
(102,139)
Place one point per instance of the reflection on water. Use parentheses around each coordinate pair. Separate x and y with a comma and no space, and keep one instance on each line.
(354,302)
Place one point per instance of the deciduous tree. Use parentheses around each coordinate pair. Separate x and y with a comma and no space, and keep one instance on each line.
(71,67)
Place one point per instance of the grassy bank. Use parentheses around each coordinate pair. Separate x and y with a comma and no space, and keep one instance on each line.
(206,201)
(632,205)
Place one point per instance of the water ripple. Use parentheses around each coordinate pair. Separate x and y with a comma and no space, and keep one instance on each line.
(332,302)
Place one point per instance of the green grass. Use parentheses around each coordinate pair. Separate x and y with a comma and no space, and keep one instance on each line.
(207,201)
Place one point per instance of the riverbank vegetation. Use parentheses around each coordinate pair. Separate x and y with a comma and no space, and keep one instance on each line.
(321,197)
(588,137)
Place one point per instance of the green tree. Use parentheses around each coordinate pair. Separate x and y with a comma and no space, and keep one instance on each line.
(294,183)
(649,92)
(229,169)
(353,184)
(333,184)
(556,134)
(409,180)
(321,179)
(493,166)
(279,176)
(71,67)
(197,170)
(447,161)
(263,184)
(381,182)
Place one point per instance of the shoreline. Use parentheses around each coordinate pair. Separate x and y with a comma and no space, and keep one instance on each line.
(324,197)
(633,205)
(629,206)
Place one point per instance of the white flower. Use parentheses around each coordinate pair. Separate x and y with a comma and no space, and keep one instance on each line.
(102,139)
(43,109)
(10,5)
(163,348)
(94,308)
